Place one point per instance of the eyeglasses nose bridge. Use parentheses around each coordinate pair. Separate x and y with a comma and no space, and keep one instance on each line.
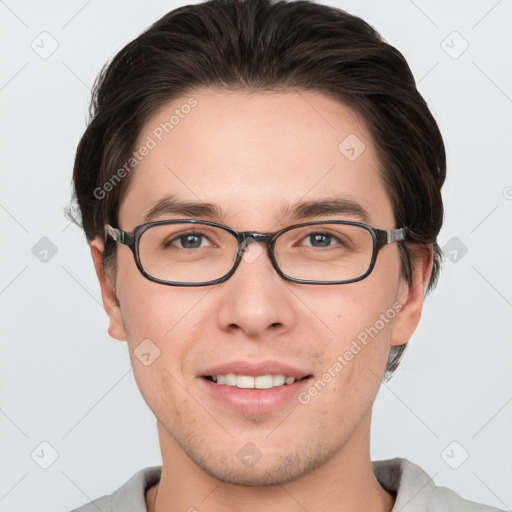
(249,237)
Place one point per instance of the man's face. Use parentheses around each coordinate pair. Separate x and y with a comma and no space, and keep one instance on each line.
(253,156)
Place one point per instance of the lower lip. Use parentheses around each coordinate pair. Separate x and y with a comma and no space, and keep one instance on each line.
(255,401)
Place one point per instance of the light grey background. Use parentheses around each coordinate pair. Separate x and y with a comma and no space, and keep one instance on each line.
(63,381)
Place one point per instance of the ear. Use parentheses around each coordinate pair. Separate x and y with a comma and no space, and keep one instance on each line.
(411,296)
(116,327)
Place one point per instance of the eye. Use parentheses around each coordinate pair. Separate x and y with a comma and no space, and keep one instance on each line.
(320,239)
(188,241)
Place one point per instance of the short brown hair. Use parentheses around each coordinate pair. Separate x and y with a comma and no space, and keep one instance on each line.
(266,45)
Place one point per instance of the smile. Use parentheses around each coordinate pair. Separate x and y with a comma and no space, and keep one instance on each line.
(250,382)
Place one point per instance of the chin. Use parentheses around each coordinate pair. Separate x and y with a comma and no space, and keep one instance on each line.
(236,473)
(244,468)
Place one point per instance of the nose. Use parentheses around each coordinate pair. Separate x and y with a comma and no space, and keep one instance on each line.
(255,300)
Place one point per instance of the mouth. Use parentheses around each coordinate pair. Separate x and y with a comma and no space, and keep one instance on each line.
(267,381)
(254,388)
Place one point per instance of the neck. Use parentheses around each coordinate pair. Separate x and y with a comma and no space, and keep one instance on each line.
(346,482)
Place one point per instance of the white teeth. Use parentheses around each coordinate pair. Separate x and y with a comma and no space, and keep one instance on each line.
(263,382)
(230,379)
(279,380)
(249,382)
(244,381)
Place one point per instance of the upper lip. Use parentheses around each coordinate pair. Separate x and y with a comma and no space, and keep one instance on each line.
(254,369)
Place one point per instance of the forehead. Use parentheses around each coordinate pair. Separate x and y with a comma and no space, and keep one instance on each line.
(254,155)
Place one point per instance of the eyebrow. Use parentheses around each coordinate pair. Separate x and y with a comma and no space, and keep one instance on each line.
(300,210)
(170,205)
(323,208)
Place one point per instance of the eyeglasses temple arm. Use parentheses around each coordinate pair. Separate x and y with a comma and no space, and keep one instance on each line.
(115,233)
(395,235)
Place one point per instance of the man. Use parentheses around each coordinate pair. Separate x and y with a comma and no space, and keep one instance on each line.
(260,185)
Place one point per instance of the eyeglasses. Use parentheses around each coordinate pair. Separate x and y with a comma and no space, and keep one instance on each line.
(194,252)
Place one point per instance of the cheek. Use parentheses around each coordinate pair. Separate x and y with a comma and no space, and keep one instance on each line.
(152,310)
(361,310)
(165,326)
(357,321)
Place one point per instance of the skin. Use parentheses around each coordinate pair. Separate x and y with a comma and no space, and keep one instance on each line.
(252,154)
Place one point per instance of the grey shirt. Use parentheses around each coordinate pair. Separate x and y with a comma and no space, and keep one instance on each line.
(415,491)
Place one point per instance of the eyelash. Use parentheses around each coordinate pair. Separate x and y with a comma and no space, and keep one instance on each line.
(180,236)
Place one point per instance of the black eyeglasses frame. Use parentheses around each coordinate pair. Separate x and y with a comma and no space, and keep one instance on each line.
(380,238)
